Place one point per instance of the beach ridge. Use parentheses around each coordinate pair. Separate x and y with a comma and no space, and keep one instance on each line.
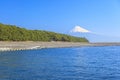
(29,45)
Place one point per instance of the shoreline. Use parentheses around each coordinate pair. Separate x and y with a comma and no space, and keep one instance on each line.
(29,45)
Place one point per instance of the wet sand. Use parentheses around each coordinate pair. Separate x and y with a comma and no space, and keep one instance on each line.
(7,46)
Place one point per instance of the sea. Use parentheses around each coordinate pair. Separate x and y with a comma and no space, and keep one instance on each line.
(75,63)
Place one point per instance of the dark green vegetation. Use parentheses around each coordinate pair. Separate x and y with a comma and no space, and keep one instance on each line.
(14,33)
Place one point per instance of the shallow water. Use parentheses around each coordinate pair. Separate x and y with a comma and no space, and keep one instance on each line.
(80,63)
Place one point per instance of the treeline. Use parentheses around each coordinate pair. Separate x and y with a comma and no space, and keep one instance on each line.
(14,33)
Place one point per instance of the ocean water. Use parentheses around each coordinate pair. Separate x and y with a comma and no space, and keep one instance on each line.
(77,63)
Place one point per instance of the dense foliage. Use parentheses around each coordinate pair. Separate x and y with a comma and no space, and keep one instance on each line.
(14,33)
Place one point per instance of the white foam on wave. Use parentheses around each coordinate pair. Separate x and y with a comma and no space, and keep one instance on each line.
(4,49)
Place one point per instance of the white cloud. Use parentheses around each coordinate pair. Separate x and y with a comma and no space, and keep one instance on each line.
(79,29)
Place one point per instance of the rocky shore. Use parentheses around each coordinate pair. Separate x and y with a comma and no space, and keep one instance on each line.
(8,46)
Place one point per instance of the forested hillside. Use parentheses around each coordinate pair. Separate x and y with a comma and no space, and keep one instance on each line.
(14,33)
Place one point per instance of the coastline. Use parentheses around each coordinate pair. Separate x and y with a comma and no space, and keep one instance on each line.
(29,45)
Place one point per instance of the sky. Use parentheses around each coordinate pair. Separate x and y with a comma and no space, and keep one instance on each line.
(101,17)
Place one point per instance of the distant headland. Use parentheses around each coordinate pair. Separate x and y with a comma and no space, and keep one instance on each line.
(16,38)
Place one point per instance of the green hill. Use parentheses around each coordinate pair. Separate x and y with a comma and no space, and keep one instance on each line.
(14,33)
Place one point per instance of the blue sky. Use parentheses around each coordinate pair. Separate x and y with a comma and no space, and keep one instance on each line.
(98,16)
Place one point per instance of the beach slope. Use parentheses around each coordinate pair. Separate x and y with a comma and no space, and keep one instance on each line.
(7,46)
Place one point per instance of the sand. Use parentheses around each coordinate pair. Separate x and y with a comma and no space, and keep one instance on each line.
(27,45)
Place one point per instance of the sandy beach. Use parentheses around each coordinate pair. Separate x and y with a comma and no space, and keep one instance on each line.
(7,46)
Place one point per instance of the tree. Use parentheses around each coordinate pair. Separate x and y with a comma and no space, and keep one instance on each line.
(14,33)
